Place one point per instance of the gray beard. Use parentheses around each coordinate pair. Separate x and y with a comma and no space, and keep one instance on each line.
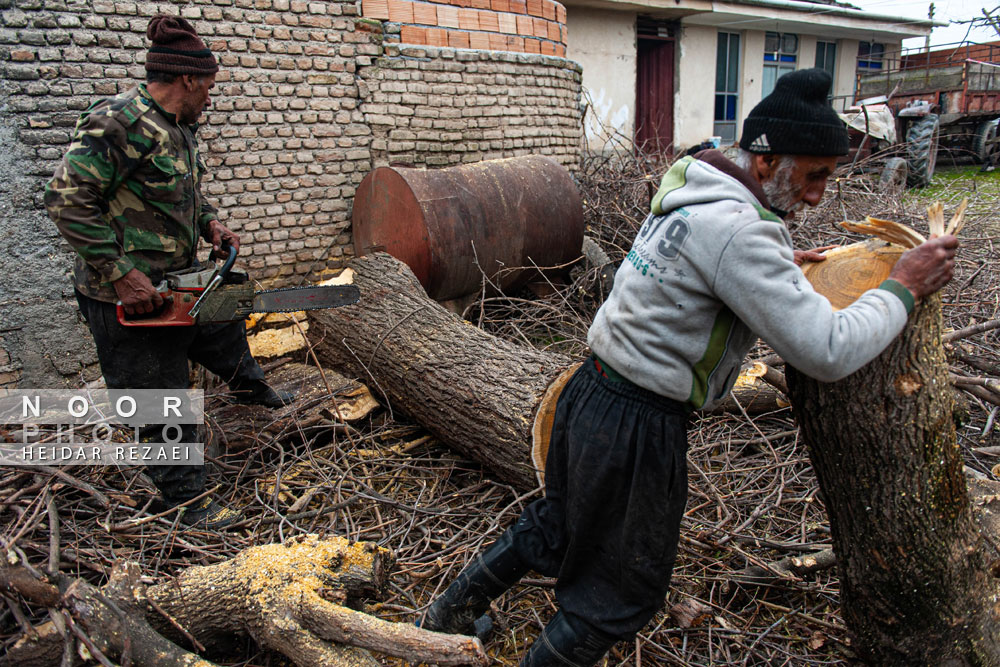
(778,188)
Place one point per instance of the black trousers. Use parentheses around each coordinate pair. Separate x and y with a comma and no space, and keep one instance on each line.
(615,491)
(157,358)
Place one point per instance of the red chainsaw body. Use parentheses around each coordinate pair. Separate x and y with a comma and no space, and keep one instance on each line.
(175,312)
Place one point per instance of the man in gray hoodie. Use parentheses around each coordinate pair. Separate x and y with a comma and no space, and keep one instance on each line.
(711,270)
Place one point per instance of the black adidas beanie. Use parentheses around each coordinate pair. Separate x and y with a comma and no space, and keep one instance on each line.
(796,118)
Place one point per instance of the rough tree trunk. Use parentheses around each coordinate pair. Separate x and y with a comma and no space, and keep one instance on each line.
(916,587)
(473,391)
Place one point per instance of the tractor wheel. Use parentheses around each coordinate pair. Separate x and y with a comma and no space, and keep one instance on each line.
(894,174)
(985,144)
(922,150)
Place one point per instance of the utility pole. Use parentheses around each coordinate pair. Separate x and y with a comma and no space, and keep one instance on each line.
(927,39)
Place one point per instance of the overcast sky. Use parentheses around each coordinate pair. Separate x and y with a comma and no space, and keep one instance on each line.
(944,10)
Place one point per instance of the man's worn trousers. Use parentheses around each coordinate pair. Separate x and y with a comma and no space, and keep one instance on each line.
(157,358)
(615,491)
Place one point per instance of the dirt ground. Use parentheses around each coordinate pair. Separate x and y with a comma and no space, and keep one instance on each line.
(753,496)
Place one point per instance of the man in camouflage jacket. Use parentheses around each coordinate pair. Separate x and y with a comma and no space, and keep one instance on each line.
(127,197)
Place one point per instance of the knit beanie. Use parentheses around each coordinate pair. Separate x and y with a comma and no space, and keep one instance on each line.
(796,119)
(177,49)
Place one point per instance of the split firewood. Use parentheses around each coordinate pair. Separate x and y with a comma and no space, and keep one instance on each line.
(294,598)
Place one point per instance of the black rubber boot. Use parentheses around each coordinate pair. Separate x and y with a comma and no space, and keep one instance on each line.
(457,610)
(562,645)
(257,392)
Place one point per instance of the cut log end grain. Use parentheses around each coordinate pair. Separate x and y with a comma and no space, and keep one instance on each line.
(850,271)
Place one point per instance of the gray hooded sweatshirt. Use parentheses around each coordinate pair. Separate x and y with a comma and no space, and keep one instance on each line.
(710,270)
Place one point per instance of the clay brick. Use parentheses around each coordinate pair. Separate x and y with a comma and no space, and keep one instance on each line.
(375,9)
(401,11)
(524,25)
(560,13)
(515,43)
(548,49)
(437,37)
(540,28)
(479,40)
(424,13)
(534,7)
(480,4)
(489,21)
(548,10)
(498,42)
(518,6)
(413,35)
(554,34)
(507,23)
(499,5)
(458,39)
(447,17)
(561,50)
(468,19)
(532,46)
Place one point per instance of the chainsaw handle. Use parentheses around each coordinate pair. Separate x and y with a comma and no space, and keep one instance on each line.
(230,259)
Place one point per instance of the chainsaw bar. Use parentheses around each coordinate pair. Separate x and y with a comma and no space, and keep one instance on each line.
(289,299)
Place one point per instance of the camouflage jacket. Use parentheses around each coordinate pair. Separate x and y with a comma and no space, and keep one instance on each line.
(128,193)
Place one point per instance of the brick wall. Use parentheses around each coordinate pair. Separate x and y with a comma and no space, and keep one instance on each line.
(308,101)
(437,107)
(989,52)
(531,26)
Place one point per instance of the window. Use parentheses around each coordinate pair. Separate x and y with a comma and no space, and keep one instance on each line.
(826,56)
(870,55)
(727,79)
(781,51)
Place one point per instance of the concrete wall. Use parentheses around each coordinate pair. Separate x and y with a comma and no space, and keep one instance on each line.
(604,43)
(305,102)
(694,96)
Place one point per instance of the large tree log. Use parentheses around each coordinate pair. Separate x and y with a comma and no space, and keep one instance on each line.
(292,598)
(914,568)
(476,393)
(473,391)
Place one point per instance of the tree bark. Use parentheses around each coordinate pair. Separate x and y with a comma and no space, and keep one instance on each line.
(916,587)
(292,598)
(473,391)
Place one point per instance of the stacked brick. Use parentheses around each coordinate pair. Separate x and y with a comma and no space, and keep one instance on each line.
(529,26)
(437,107)
(308,101)
(285,142)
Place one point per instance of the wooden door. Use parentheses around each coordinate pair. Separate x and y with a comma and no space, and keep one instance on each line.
(654,93)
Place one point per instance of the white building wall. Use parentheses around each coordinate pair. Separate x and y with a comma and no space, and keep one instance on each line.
(694,96)
(604,42)
(847,63)
(753,73)
(807,51)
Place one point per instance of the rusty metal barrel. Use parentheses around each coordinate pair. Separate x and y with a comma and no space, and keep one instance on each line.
(452,225)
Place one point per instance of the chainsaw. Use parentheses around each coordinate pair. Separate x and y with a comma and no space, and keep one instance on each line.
(219,294)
